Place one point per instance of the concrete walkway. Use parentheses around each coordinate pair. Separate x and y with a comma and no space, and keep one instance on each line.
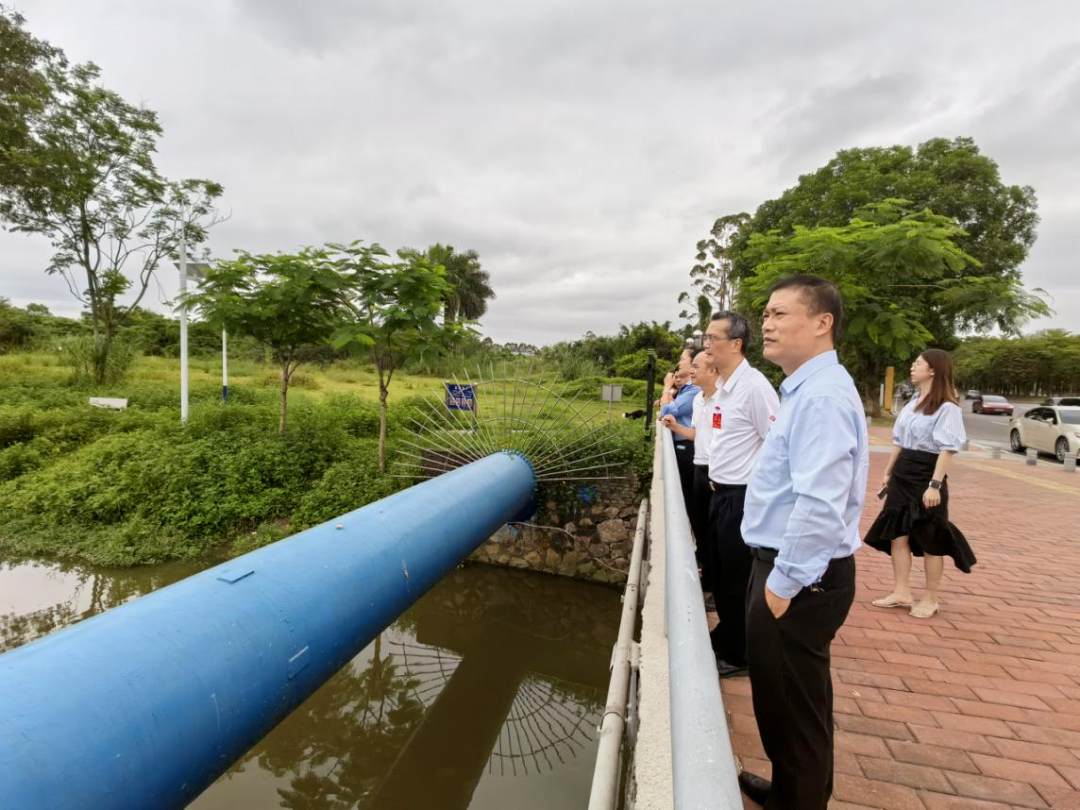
(978,707)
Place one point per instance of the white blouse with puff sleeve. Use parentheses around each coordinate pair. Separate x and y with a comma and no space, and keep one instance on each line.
(943,430)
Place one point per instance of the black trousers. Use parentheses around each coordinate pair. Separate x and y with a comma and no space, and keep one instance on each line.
(792,685)
(684,457)
(731,562)
(700,497)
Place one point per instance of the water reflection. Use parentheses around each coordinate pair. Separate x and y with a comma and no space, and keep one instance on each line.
(486,694)
(37,598)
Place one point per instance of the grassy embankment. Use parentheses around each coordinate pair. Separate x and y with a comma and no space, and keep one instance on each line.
(121,488)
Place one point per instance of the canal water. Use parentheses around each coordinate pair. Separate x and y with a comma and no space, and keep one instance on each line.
(485,694)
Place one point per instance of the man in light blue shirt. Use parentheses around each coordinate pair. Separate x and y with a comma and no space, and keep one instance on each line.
(801,522)
(678,401)
(679,393)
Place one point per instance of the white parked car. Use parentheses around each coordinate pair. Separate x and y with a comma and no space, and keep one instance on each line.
(1047,429)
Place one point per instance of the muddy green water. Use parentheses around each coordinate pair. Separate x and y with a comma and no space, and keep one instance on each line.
(486,694)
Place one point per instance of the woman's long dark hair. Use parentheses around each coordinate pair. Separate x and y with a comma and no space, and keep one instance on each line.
(941,384)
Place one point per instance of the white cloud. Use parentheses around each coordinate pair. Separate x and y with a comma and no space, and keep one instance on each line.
(582,149)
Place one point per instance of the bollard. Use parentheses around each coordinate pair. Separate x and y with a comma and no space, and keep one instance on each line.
(869,421)
(995,453)
(1070,461)
(1032,457)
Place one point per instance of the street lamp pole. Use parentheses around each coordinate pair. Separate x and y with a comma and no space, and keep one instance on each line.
(224,367)
(183,332)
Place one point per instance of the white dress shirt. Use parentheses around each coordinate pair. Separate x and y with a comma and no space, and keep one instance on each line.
(743,410)
(702,425)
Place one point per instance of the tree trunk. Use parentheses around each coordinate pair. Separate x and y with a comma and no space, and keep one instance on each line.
(283,409)
(101,357)
(872,372)
(383,393)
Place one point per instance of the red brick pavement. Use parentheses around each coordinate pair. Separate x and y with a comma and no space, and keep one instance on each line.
(979,706)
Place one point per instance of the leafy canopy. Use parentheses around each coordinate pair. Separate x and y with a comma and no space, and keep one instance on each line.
(284,301)
(950,177)
(77,167)
(905,281)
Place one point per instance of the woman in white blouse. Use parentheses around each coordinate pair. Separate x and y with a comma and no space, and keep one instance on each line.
(915,520)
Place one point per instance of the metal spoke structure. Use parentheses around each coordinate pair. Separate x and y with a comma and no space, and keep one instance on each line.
(528,415)
(544,728)
(542,724)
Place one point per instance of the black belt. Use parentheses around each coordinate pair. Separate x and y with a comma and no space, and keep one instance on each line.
(770,554)
(715,487)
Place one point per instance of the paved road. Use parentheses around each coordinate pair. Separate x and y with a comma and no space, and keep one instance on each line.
(993,429)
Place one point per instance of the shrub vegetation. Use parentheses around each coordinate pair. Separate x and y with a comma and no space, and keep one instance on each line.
(129,487)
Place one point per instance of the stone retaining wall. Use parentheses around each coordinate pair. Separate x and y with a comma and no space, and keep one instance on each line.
(585,532)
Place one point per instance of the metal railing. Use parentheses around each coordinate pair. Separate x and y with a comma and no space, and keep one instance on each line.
(703,764)
(605,784)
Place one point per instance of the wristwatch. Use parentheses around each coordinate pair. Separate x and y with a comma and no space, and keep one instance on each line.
(934,484)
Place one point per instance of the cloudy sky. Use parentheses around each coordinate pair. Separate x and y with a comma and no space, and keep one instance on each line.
(581,147)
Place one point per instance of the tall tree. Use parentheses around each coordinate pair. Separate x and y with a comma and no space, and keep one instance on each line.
(470,286)
(905,281)
(950,177)
(286,302)
(713,276)
(394,313)
(25,88)
(82,174)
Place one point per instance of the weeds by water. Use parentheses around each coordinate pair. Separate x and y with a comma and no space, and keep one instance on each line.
(120,488)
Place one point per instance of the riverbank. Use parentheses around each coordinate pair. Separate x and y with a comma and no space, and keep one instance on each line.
(134,486)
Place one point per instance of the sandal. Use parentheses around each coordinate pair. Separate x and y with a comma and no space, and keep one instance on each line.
(924,611)
(889,602)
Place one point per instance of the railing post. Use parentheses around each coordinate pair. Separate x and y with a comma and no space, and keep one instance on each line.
(604,794)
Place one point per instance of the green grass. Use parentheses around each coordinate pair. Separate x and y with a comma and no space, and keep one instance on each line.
(121,488)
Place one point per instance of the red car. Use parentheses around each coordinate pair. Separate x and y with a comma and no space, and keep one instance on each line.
(992,404)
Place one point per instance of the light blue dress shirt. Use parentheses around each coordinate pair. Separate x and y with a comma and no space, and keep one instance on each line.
(682,407)
(806,492)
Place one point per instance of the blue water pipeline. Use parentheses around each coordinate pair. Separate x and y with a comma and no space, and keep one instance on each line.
(145,705)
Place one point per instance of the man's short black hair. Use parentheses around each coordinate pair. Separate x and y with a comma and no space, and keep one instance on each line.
(819,295)
(738,327)
(695,353)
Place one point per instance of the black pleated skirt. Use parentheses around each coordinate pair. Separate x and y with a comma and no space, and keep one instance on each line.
(928,530)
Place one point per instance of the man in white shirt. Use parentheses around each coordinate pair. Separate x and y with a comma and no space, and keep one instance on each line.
(743,410)
(704,375)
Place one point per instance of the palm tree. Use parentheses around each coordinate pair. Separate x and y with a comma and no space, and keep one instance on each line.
(471,285)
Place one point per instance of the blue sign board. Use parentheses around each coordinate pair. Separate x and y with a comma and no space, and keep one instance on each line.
(460,397)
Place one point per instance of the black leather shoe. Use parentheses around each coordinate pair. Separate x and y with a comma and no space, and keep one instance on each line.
(726,670)
(754,787)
